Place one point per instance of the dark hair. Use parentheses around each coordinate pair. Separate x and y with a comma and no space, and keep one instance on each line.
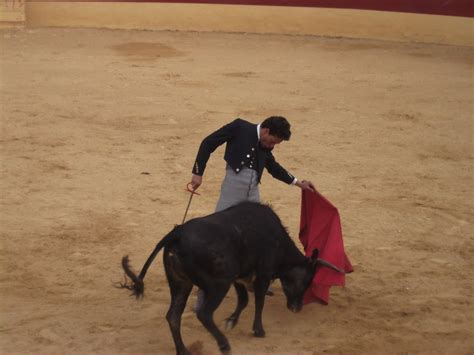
(278,126)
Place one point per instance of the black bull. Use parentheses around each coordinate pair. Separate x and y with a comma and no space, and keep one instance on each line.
(244,242)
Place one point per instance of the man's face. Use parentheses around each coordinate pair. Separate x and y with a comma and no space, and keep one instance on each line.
(267,140)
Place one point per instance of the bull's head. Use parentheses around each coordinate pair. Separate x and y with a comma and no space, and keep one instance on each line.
(295,281)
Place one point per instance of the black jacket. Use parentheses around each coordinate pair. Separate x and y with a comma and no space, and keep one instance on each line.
(242,140)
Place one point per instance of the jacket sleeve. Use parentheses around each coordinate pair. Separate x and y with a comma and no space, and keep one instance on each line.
(210,144)
(277,171)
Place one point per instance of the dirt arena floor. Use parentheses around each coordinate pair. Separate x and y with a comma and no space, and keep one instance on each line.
(99,131)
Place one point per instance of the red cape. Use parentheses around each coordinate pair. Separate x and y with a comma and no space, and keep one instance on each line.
(320,228)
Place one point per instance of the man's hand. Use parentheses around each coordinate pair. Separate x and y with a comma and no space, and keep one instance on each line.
(196,181)
(306,185)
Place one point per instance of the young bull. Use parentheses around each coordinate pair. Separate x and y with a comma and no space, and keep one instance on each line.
(244,242)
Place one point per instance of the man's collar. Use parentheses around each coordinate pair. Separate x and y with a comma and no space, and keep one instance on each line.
(258,131)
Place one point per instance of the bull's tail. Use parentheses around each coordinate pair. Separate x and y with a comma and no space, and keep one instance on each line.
(137,287)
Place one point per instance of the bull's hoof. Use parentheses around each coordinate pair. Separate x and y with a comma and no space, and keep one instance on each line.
(230,323)
(225,349)
(259,333)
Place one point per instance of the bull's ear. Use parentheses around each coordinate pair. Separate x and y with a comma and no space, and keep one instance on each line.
(314,255)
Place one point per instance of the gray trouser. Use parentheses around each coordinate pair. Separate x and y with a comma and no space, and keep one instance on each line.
(238,188)
(235,188)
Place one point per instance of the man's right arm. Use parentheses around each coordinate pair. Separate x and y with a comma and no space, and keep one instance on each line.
(209,145)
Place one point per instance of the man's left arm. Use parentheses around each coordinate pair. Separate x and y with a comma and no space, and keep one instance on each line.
(280,173)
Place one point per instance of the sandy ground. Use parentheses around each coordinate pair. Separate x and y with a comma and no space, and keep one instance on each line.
(99,133)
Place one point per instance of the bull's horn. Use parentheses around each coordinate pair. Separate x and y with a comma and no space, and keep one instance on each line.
(329,265)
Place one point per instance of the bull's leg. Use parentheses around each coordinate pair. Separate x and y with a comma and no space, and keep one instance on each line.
(242,301)
(261,287)
(212,299)
(180,289)
(179,295)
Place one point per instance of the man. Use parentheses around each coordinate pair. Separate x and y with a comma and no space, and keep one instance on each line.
(248,150)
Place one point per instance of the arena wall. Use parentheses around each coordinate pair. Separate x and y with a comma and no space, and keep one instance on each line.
(446,25)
